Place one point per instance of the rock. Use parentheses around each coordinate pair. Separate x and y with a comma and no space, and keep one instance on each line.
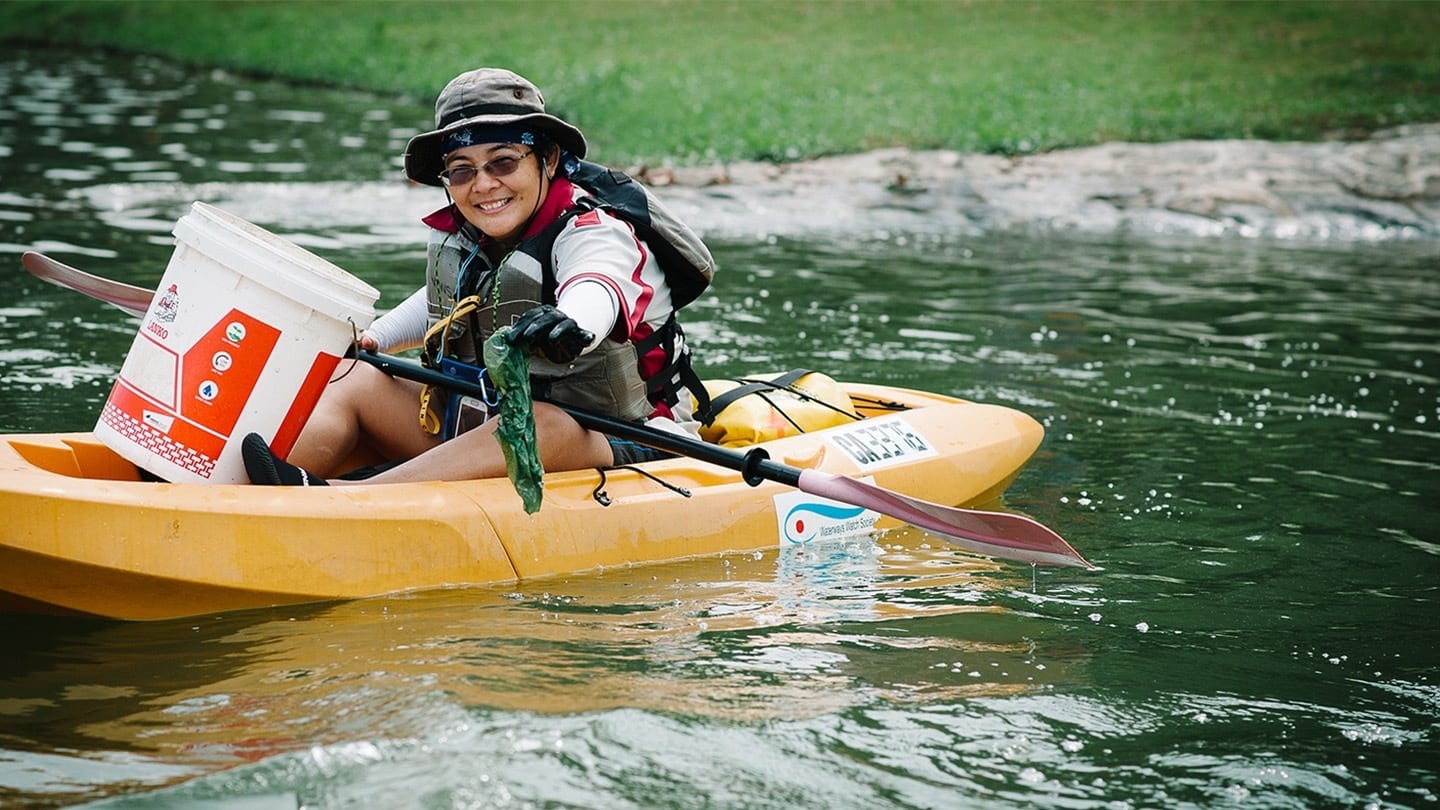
(1384,187)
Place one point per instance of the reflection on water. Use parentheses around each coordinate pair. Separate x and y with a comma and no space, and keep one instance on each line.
(1243,435)
(752,638)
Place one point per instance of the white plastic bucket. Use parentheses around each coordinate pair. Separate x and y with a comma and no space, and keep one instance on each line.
(245,331)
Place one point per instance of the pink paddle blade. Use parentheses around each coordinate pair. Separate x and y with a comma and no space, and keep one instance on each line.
(125,297)
(994,534)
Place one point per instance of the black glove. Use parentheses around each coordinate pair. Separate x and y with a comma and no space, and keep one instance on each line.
(550,332)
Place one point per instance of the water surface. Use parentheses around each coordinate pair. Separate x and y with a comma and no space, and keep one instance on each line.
(1242,433)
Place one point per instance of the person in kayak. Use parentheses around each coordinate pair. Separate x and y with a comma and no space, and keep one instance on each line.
(513,246)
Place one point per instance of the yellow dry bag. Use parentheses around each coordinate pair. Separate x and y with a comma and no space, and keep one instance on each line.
(757,409)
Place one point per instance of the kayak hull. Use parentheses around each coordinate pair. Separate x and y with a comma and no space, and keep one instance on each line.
(86,536)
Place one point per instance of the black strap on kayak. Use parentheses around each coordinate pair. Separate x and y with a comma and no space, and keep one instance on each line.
(785,382)
(879,404)
(749,386)
(603,498)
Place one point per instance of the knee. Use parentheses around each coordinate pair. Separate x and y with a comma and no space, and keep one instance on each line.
(565,444)
(352,385)
(558,429)
(553,421)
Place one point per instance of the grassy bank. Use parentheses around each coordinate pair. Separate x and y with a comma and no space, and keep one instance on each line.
(703,81)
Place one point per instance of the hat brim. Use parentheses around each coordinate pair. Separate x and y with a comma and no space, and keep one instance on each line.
(425,158)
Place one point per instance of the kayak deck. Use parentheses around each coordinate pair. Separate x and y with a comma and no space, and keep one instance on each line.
(86,535)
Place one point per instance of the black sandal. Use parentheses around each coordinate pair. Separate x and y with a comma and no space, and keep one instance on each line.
(264,468)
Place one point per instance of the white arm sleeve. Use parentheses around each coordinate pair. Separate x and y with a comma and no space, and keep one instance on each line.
(593,306)
(606,279)
(404,326)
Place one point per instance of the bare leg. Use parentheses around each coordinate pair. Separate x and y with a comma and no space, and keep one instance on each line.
(563,445)
(365,408)
(371,410)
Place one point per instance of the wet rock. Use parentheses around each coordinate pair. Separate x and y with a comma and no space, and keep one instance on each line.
(1384,187)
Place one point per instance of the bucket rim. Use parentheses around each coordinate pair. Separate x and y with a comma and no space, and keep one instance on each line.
(303,272)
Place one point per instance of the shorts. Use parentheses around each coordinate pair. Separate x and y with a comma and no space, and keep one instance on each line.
(628,452)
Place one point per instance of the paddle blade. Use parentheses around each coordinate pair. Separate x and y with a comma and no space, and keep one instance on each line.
(993,534)
(124,297)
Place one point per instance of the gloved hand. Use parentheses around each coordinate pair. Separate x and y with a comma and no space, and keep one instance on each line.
(550,332)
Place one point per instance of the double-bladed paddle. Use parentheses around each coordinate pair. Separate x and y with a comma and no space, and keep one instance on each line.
(994,534)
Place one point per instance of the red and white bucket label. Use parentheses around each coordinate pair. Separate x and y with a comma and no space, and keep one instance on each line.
(183,407)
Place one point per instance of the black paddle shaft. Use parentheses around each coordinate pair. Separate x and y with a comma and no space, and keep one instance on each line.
(754,465)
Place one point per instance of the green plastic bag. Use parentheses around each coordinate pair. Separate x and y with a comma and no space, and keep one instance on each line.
(509,370)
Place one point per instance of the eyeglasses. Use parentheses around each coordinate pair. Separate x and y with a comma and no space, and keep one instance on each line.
(502,166)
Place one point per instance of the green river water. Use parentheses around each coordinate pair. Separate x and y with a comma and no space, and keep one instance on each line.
(1242,434)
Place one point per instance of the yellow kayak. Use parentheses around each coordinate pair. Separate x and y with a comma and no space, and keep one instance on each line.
(84,534)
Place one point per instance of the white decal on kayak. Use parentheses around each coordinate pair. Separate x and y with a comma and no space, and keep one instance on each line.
(881,441)
(804,518)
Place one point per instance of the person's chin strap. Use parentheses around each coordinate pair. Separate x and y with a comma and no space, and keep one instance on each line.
(546,181)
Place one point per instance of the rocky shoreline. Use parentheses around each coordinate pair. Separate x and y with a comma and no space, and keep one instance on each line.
(1382,188)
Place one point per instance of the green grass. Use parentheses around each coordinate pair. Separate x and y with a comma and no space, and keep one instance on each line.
(692,82)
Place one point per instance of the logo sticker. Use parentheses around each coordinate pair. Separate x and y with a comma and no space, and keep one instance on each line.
(804,518)
(159,421)
(168,306)
(881,442)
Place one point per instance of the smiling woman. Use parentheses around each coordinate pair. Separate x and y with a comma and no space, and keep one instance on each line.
(490,190)
(518,247)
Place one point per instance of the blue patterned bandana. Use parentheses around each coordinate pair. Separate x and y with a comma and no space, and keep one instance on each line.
(469,136)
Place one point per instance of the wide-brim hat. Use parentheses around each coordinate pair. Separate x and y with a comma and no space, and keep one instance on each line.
(486,97)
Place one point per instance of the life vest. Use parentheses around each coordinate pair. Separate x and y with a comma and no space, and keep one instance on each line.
(630,380)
